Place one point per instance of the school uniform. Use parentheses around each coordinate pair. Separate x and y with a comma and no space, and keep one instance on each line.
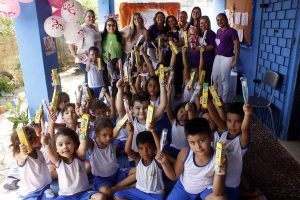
(35,178)
(149,183)
(195,180)
(95,79)
(73,181)
(105,166)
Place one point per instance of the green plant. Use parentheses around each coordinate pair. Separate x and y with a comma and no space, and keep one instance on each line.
(6,85)
(18,117)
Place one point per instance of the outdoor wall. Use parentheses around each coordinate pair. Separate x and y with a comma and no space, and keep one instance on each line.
(275,47)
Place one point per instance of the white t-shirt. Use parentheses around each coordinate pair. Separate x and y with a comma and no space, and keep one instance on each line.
(196,178)
(72,178)
(103,161)
(178,136)
(95,77)
(149,178)
(92,37)
(34,174)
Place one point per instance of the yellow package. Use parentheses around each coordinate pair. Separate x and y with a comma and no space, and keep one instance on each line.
(220,155)
(99,63)
(137,58)
(215,96)
(205,96)
(173,46)
(160,42)
(150,113)
(185,35)
(161,72)
(126,77)
(189,85)
(55,77)
(54,100)
(202,77)
(121,123)
(37,117)
(84,125)
(24,140)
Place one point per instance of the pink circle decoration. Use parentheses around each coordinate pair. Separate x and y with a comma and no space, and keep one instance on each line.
(54,26)
(25,1)
(72,11)
(57,3)
(57,13)
(73,33)
(10,9)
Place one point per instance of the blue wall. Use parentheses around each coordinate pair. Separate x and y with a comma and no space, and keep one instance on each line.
(275,47)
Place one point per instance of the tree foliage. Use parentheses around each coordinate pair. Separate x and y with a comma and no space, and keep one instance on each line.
(6,28)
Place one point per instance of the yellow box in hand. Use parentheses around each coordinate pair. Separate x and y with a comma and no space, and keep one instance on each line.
(161,72)
(191,81)
(185,36)
(173,46)
(149,118)
(205,96)
(37,117)
(99,63)
(54,100)
(84,125)
(55,77)
(137,58)
(220,155)
(215,96)
(23,139)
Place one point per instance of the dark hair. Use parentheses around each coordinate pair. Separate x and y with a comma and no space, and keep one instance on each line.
(91,11)
(235,108)
(197,126)
(184,12)
(97,104)
(191,22)
(154,18)
(182,105)
(153,78)
(15,142)
(63,96)
(68,133)
(145,137)
(66,106)
(140,96)
(207,20)
(223,15)
(94,48)
(102,123)
(117,32)
(167,25)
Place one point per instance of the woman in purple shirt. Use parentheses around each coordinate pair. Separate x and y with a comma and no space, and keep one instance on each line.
(227,54)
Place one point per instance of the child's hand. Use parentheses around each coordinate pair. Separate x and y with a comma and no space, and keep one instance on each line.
(120,83)
(188,107)
(129,127)
(151,126)
(169,89)
(221,171)
(23,151)
(202,49)
(161,158)
(247,109)
(45,139)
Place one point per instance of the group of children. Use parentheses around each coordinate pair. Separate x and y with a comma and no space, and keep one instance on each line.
(126,118)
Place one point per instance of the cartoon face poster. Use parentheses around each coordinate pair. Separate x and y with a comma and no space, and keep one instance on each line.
(49,45)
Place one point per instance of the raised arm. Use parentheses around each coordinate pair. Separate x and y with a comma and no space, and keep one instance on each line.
(53,156)
(169,104)
(245,137)
(119,98)
(215,116)
(128,150)
(147,60)
(155,136)
(22,156)
(159,111)
(191,112)
(186,71)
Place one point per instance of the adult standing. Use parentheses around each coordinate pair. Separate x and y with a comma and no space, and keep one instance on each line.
(227,54)
(92,37)
(194,19)
(133,31)
(182,19)
(208,45)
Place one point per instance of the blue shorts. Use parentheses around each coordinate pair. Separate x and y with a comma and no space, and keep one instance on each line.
(137,194)
(78,196)
(179,193)
(111,180)
(44,194)
(232,193)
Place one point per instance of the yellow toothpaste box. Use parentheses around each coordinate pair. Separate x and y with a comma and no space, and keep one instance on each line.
(185,36)
(121,123)
(54,100)
(55,77)
(149,118)
(173,46)
(37,117)
(84,125)
(23,139)
(205,96)
(220,155)
(215,96)
(202,77)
